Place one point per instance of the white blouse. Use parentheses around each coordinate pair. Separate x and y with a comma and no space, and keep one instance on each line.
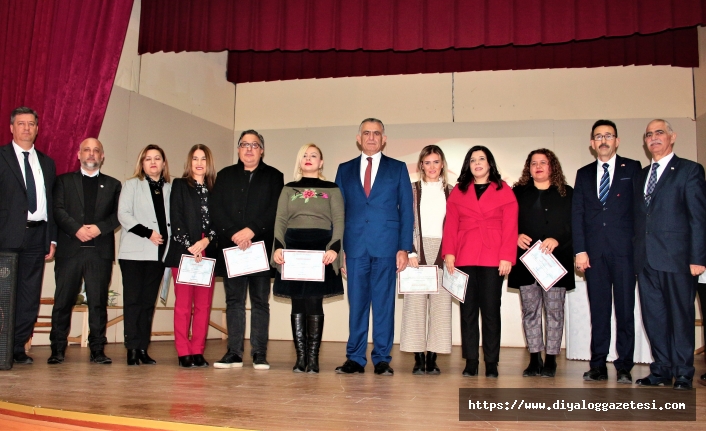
(432,209)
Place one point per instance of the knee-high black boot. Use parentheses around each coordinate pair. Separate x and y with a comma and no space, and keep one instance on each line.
(299,336)
(315,328)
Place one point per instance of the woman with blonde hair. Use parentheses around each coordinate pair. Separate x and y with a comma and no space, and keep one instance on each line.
(192,234)
(143,212)
(309,217)
(429,201)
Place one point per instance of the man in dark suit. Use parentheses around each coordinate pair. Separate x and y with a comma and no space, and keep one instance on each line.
(26,220)
(602,215)
(243,205)
(86,212)
(670,252)
(378,236)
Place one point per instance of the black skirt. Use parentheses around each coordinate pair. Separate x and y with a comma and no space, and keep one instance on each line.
(309,239)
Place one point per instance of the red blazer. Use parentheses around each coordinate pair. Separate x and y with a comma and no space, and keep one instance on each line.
(481,232)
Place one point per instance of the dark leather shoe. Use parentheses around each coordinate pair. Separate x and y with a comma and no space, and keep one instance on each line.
(682,383)
(597,374)
(186,361)
(133,357)
(99,357)
(350,367)
(652,380)
(491,369)
(431,364)
(471,369)
(145,358)
(229,360)
(702,380)
(200,361)
(624,377)
(383,369)
(535,366)
(419,363)
(549,368)
(22,358)
(57,357)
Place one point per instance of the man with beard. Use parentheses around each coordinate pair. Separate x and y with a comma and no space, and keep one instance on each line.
(86,212)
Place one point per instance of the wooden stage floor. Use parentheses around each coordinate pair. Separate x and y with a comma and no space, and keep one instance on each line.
(279,399)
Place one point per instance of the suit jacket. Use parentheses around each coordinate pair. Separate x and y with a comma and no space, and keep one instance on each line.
(135,207)
(481,232)
(185,217)
(555,222)
(69,214)
(670,234)
(13,199)
(598,227)
(417,238)
(380,224)
(239,201)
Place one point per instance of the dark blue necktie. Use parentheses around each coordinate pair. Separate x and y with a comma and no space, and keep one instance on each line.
(651,183)
(31,187)
(605,184)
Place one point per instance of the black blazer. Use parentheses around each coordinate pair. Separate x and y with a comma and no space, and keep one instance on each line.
(185,216)
(670,234)
(13,199)
(238,202)
(69,213)
(556,224)
(598,227)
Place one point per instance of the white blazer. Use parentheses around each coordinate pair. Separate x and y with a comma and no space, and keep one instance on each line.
(136,207)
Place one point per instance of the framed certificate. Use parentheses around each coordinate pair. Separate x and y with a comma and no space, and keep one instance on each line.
(455,283)
(242,262)
(543,266)
(303,265)
(422,280)
(196,274)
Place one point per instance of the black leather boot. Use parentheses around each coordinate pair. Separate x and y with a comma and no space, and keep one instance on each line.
(419,363)
(314,330)
(431,364)
(133,357)
(299,337)
(535,366)
(145,358)
(471,369)
(491,369)
(549,369)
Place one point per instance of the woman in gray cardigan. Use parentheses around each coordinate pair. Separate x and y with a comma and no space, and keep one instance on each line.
(143,211)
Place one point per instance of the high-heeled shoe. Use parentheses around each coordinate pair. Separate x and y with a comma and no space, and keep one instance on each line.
(133,357)
(186,361)
(145,358)
(200,361)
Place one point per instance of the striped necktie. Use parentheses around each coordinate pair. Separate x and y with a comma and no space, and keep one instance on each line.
(605,184)
(651,183)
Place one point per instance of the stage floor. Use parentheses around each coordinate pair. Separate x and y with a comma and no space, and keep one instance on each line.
(279,399)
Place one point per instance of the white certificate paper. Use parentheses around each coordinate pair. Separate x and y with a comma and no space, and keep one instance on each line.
(455,283)
(243,262)
(303,265)
(196,274)
(422,280)
(544,267)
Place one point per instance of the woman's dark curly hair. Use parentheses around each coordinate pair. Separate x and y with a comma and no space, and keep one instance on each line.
(465,178)
(557,176)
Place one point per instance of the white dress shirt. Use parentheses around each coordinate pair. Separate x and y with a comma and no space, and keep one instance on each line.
(663,162)
(599,173)
(41,213)
(86,174)
(364,164)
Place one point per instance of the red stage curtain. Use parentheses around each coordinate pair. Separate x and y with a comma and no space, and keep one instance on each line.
(671,47)
(59,57)
(399,25)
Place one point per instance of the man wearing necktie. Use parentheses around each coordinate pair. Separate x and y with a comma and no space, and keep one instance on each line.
(26,219)
(670,252)
(377,238)
(602,217)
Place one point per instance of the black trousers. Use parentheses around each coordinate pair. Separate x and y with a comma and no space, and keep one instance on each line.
(483,294)
(236,291)
(88,266)
(30,273)
(141,282)
(701,289)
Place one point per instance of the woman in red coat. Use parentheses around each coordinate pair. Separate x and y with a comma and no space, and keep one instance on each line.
(480,237)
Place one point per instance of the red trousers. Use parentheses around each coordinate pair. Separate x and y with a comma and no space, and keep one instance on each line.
(187,297)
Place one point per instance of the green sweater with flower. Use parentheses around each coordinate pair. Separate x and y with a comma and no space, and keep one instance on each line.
(311,203)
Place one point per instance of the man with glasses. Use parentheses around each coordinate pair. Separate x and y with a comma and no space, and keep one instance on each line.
(243,208)
(602,218)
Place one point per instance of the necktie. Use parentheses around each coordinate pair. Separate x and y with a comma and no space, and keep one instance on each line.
(368,173)
(31,187)
(651,183)
(605,184)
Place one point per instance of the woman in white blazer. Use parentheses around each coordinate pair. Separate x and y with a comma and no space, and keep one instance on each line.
(143,212)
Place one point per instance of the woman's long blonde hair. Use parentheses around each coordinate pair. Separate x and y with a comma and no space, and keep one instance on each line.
(139,173)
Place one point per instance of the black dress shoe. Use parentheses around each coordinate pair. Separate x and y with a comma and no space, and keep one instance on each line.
(200,361)
(98,357)
(133,357)
(57,357)
(652,380)
(383,369)
(596,374)
(471,369)
(186,361)
(350,367)
(702,380)
(22,358)
(145,358)
(624,377)
(431,364)
(419,363)
(491,369)
(682,383)
(549,368)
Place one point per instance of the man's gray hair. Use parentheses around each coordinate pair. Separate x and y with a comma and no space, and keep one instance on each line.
(23,110)
(667,124)
(252,132)
(371,120)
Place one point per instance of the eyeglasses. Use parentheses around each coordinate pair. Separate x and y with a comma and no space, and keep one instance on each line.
(607,137)
(655,133)
(249,146)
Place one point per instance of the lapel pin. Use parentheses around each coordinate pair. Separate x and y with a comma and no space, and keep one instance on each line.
(622,165)
(618,195)
(672,167)
(101,185)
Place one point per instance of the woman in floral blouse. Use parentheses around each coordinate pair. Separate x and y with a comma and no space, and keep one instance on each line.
(192,235)
(309,217)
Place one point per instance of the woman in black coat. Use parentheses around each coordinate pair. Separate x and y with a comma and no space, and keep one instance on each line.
(544,199)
